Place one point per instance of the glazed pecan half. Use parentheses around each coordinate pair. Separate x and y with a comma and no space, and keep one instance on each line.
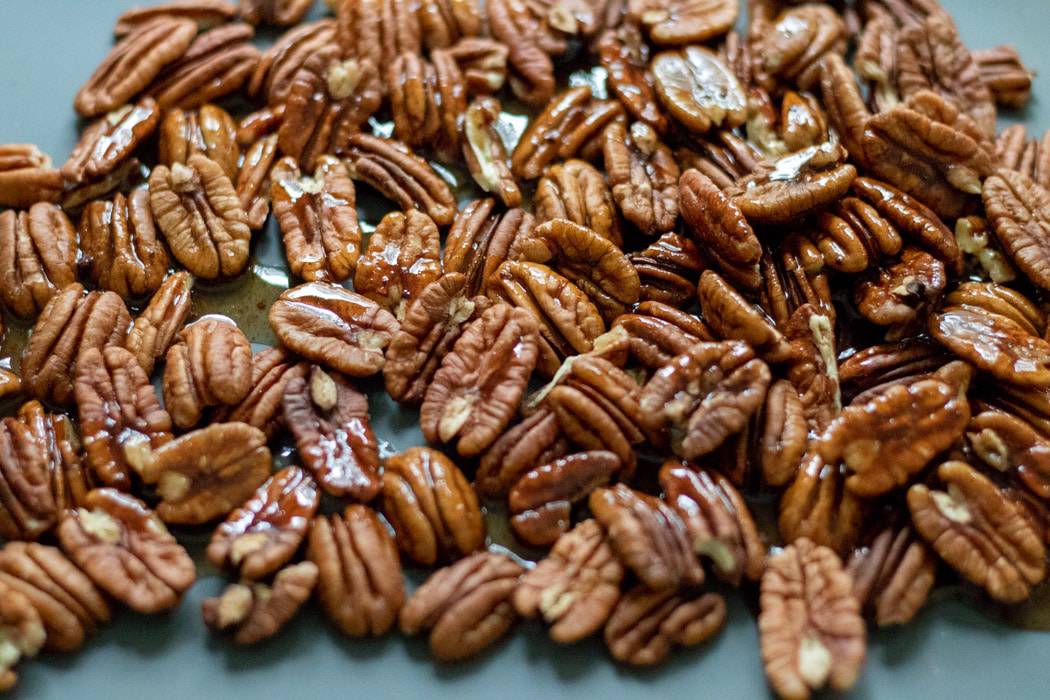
(38,257)
(1019,212)
(643,176)
(216,64)
(575,190)
(647,624)
(154,330)
(23,631)
(892,576)
(120,246)
(255,612)
(27,503)
(698,89)
(111,140)
(403,256)
(208,130)
(485,153)
(720,228)
(993,343)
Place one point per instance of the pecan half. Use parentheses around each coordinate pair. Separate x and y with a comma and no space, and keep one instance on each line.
(731,316)
(485,153)
(155,328)
(892,576)
(216,64)
(783,435)
(431,506)
(126,551)
(535,440)
(994,344)
(120,246)
(576,191)
(206,13)
(466,606)
(27,503)
(378,30)
(38,257)
(412,83)
(26,176)
(819,507)
(1009,444)
(283,13)
(1019,212)
(698,89)
(643,175)
(55,431)
(647,624)
(403,257)
(625,56)
(792,48)
(684,21)
(531,72)
(480,240)
(208,130)
(272,369)
(23,632)
(279,65)
(255,612)
(658,333)
(1005,75)
(110,141)
(668,268)
(253,180)
(720,228)
(483,63)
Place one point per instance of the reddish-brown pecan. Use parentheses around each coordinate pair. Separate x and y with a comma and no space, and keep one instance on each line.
(412,83)
(668,268)
(483,63)
(901,294)
(23,631)
(111,140)
(403,257)
(38,257)
(720,228)
(698,89)
(792,48)
(485,153)
(69,480)
(643,175)
(575,190)
(1000,300)
(1011,445)
(647,624)
(280,63)
(216,64)
(155,328)
(126,551)
(731,316)
(993,343)
(334,327)
(26,176)
(1005,75)
(253,179)
(443,22)
(480,240)
(261,536)
(206,14)
(272,369)
(658,332)
(208,130)
(818,506)
(283,13)
(378,30)
(329,420)
(318,219)
(892,576)
(27,503)
(625,56)
(255,612)
(1019,212)
(120,246)
(683,21)
(530,71)
(535,440)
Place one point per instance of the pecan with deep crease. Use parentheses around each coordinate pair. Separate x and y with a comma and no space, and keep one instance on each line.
(120,246)
(892,576)
(793,47)
(283,13)
(431,506)
(261,536)
(403,257)
(201,217)
(334,327)
(818,506)
(72,323)
(980,531)
(360,588)
(535,440)
(378,30)
(1005,75)
(648,537)
(531,72)
(272,369)
(575,190)
(541,501)
(668,268)
(205,474)
(401,176)
(643,175)
(1019,212)
(253,180)
(208,130)
(1011,445)
(209,364)
(733,317)
(133,64)
(476,391)
(720,228)
(646,624)
(23,632)
(993,343)
(658,332)
(111,140)
(154,330)
(481,239)
(279,65)
(126,551)
(426,100)
(1000,300)
(27,503)
(625,56)
(683,21)
(467,606)
(254,612)
(317,216)
(69,480)
(483,63)
(329,420)
(216,64)
(485,153)
(901,294)
(117,406)
(698,89)
(38,257)
(810,627)
(783,434)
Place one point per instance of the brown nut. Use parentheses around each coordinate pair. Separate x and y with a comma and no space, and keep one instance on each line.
(38,256)
(483,63)
(485,153)
(253,180)
(480,240)
(378,30)
(69,480)
(535,440)
(111,140)
(819,507)
(541,501)
(205,474)
(403,257)
(575,587)
(451,94)
(643,176)
(1011,445)
(892,576)
(412,83)
(994,344)
(625,56)
(255,612)
(720,228)
(71,607)
(282,13)
(980,531)
(72,323)
(361,588)
(684,21)
(279,65)
(698,89)
(1019,212)
(648,537)
(334,327)
(783,435)
(272,369)
(647,624)
(27,502)
(126,551)
(329,420)
(466,606)
(658,333)
(205,13)
(902,293)
(443,22)
(23,630)
(120,246)
(154,330)
(133,64)
(810,627)
(792,48)
(261,536)
(982,253)
(530,69)
(216,64)
(198,211)
(1014,150)
(317,216)
(431,506)
(667,270)
(117,406)
(209,131)
(575,190)
(27,177)
(731,316)
(1005,75)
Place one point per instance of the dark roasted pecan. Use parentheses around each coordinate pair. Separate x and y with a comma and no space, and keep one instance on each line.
(206,13)
(698,89)
(27,503)
(647,624)
(126,551)
(792,48)
(1003,73)
(329,420)
(485,153)
(273,75)
(360,588)
(119,244)
(334,327)
(431,506)
(69,481)
(732,317)
(575,190)
(1019,212)
(531,72)
(892,576)
(668,268)
(483,63)
(154,330)
(253,180)
(818,506)
(643,175)
(719,227)
(38,257)
(283,13)
(261,536)
(111,140)
(318,219)
(625,56)
(481,240)
(993,343)
(216,64)
(658,332)
(403,257)
(23,631)
(208,130)
(255,612)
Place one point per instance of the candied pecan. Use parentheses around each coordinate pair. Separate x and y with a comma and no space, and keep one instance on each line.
(26,176)
(119,244)
(431,506)
(329,420)
(793,47)
(485,153)
(128,174)
(282,13)
(570,125)
(154,329)
(208,130)
(535,440)
(378,30)
(647,624)
(733,317)
(261,536)
(412,82)
(530,71)
(272,369)
(659,332)
(783,434)
(253,180)
(198,211)
(576,191)
(818,506)
(847,113)
(901,294)
(111,140)
(10,383)
(481,240)
(575,587)
(892,576)
(262,122)
(541,501)
(648,537)
(318,219)
(483,63)
(625,56)
(683,21)
(667,268)
(704,396)
(126,551)
(1005,75)
(810,627)
(23,632)
(698,89)
(997,299)
(643,176)
(27,503)
(70,606)
(216,64)
(1019,212)
(133,64)
(38,257)
(69,325)
(360,589)
(206,13)
(334,327)
(208,365)
(720,228)
(974,237)
(328,100)
(403,257)
(476,391)
(117,406)
(205,474)
(443,22)
(466,606)
(401,176)
(568,321)
(280,63)
(69,481)
(994,344)
(255,612)
(980,531)
(1010,444)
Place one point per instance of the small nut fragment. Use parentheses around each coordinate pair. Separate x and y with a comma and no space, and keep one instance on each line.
(403,256)
(21,630)
(892,576)
(38,255)
(120,245)
(485,153)
(154,330)
(255,612)
(646,624)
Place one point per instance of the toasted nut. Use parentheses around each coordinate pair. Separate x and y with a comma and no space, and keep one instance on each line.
(256,612)
(646,624)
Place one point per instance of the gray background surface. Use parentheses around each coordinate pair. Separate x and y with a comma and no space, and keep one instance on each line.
(47,49)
